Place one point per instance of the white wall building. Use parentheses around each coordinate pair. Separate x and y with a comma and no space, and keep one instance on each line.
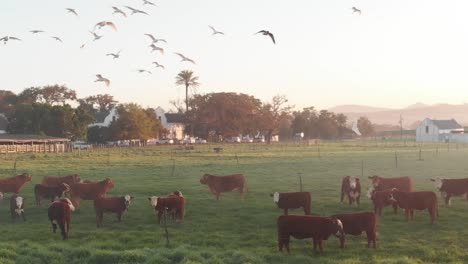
(173,122)
(431,130)
(105,118)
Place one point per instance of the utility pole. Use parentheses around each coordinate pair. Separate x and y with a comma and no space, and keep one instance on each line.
(401,127)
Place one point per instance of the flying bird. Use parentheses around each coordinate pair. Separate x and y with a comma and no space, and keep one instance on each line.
(216,31)
(7,38)
(115,55)
(102,79)
(143,71)
(82,45)
(356,10)
(105,23)
(71,10)
(155,40)
(118,11)
(96,36)
(135,11)
(36,31)
(158,65)
(57,38)
(267,33)
(146,2)
(184,58)
(154,47)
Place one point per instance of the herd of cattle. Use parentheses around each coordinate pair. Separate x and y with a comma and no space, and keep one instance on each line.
(66,193)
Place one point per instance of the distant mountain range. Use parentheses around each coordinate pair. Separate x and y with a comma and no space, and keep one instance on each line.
(411,115)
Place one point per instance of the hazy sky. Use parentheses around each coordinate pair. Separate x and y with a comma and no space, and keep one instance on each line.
(396,53)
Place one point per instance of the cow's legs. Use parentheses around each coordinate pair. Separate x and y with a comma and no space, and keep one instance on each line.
(54,226)
(395,208)
(320,243)
(447,199)
(357,200)
(285,211)
(99,216)
(371,237)
(160,213)
(412,214)
(62,230)
(315,244)
(119,216)
(407,213)
(342,196)
(22,215)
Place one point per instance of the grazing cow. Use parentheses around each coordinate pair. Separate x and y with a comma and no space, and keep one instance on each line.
(172,204)
(14,184)
(381,199)
(53,181)
(318,228)
(46,192)
(118,205)
(60,214)
(401,183)
(219,184)
(89,191)
(351,187)
(17,207)
(451,187)
(292,200)
(416,200)
(356,223)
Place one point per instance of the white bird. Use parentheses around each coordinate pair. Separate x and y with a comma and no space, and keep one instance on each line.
(118,11)
(146,2)
(154,47)
(184,58)
(96,36)
(155,40)
(115,55)
(102,79)
(158,65)
(105,23)
(143,71)
(216,31)
(36,31)
(356,10)
(57,38)
(7,38)
(135,11)
(71,10)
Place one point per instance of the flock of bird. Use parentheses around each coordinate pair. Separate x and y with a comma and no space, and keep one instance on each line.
(154,40)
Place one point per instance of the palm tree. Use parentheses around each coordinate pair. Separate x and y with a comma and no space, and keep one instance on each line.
(187,78)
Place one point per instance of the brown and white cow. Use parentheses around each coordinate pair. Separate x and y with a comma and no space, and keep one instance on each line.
(53,181)
(318,228)
(219,184)
(351,187)
(46,192)
(17,207)
(411,201)
(59,213)
(381,199)
(292,200)
(14,184)
(356,223)
(89,191)
(117,205)
(451,187)
(173,204)
(381,183)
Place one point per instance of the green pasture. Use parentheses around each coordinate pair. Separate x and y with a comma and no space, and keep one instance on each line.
(231,230)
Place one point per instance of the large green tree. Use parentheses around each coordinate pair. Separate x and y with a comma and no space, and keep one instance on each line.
(365,126)
(134,122)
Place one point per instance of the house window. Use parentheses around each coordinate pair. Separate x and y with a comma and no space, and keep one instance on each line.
(159,117)
(427,129)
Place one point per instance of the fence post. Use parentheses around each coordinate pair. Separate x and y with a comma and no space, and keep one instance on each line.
(165,227)
(362,169)
(300,181)
(396,160)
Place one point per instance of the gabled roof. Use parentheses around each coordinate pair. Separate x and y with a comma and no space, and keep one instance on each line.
(3,122)
(447,124)
(100,116)
(175,118)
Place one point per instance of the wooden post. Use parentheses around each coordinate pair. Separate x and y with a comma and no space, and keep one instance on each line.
(300,182)
(437,150)
(318,150)
(362,169)
(396,160)
(14,166)
(165,227)
(420,158)
(237,158)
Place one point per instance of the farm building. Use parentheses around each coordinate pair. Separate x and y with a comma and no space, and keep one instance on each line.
(173,122)
(431,130)
(3,124)
(105,118)
(11,143)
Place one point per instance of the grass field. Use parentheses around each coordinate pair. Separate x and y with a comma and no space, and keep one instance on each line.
(231,230)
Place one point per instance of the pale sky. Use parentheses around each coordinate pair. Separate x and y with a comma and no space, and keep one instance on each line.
(397,53)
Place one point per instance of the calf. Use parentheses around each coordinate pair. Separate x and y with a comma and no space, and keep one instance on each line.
(53,181)
(219,184)
(46,192)
(17,207)
(14,184)
(117,205)
(173,204)
(451,187)
(356,223)
(89,191)
(416,200)
(381,199)
(59,213)
(351,187)
(318,228)
(401,183)
(292,200)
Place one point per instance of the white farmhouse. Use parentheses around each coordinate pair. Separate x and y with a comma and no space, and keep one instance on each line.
(431,130)
(105,118)
(173,122)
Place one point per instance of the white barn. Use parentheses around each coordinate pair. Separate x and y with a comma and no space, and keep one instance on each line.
(173,122)
(431,130)
(105,118)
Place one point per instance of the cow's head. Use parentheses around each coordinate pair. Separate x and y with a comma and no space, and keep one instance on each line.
(66,201)
(19,205)
(339,231)
(65,188)
(392,195)
(370,192)
(275,196)
(177,193)
(153,201)
(438,182)
(108,183)
(204,179)
(375,180)
(76,178)
(25,177)
(127,200)
(352,183)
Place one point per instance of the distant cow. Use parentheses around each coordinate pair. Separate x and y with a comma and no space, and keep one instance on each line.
(381,183)
(451,187)
(89,191)
(118,205)
(60,214)
(219,184)
(14,184)
(411,201)
(292,200)
(17,207)
(53,181)
(351,187)
(173,204)
(318,228)
(356,223)
(46,192)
